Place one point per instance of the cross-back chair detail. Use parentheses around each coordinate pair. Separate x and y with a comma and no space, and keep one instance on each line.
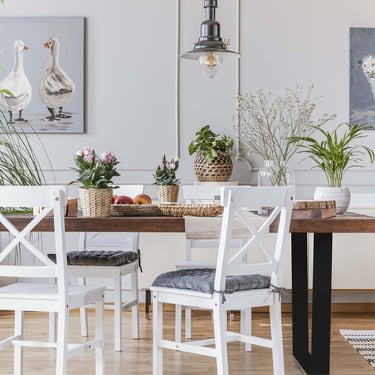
(234,284)
(50,290)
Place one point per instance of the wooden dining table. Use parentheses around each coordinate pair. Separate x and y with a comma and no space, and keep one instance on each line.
(314,358)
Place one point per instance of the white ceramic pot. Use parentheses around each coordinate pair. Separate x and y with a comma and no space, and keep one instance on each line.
(339,194)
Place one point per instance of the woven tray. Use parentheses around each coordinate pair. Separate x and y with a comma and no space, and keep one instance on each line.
(135,210)
(177,209)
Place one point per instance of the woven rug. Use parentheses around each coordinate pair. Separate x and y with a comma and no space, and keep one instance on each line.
(363,341)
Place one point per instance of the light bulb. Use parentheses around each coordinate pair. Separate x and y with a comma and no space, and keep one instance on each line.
(210,63)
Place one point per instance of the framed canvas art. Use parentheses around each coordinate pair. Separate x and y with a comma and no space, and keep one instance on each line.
(42,73)
(362,76)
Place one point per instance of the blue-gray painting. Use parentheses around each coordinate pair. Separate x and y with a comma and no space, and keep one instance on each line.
(42,73)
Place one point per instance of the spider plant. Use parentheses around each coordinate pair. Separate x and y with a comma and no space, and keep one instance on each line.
(335,154)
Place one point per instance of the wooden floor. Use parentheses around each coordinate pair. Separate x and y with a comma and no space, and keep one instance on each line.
(136,357)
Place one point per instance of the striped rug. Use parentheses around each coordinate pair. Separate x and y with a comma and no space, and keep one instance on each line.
(363,341)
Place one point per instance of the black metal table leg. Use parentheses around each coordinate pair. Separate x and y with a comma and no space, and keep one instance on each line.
(147,303)
(316,362)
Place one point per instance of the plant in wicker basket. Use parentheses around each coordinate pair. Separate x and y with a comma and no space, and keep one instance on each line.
(213,161)
(96,174)
(166,179)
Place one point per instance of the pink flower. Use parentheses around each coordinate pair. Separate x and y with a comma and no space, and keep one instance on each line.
(88,155)
(108,157)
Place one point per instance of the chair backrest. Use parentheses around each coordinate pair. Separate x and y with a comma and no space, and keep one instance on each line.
(21,240)
(128,240)
(239,202)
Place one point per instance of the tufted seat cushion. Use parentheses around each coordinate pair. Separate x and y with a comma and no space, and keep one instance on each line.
(202,280)
(99,257)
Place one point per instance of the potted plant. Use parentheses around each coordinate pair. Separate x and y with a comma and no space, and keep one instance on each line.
(213,161)
(166,179)
(334,155)
(95,174)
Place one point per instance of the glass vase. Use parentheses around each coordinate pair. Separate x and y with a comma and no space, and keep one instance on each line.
(275,174)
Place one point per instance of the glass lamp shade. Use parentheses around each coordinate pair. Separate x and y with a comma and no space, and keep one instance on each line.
(210,63)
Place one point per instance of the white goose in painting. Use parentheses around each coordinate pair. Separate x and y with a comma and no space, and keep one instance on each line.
(19,93)
(56,88)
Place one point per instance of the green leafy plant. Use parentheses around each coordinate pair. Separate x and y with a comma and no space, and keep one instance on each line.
(209,143)
(335,154)
(165,173)
(19,164)
(95,172)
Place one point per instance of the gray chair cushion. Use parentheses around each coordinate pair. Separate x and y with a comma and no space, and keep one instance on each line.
(202,280)
(99,257)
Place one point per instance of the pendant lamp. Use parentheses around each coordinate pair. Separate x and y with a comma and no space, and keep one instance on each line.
(210,47)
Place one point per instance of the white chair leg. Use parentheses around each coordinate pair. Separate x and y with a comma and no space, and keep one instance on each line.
(188,322)
(246,326)
(117,312)
(277,339)
(177,324)
(157,352)
(135,310)
(220,328)
(52,327)
(62,340)
(83,312)
(18,350)
(99,335)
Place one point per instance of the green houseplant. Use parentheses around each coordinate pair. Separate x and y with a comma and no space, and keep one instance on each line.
(334,155)
(95,173)
(166,180)
(213,161)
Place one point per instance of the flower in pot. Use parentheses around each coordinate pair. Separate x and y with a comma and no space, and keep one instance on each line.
(213,161)
(95,173)
(166,179)
(334,155)
(267,123)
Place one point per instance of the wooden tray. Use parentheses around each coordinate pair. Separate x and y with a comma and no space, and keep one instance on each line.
(177,209)
(313,209)
(135,210)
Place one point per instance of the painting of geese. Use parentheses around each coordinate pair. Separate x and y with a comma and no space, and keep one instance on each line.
(17,92)
(42,86)
(56,88)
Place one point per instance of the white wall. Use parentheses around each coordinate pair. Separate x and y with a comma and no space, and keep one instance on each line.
(132,81)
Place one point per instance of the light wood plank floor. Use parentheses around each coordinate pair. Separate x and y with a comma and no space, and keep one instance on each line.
(136,357)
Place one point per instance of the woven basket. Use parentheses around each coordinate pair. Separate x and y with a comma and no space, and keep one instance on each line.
(219,170)
(168,193)
(96,202)
(199,209)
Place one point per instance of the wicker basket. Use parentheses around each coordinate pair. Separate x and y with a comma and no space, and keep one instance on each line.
(219,170)
(199,209)
(96,202)
(168,193)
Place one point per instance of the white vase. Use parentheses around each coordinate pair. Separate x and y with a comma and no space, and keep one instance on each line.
(339,194)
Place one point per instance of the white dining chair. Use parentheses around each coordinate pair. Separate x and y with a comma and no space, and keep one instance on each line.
(201,194)
(233,285)
(112,257)
(30,287)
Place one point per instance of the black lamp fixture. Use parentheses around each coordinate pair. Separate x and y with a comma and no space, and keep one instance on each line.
(210,47)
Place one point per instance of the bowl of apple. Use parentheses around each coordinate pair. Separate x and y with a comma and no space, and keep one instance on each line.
(140,205)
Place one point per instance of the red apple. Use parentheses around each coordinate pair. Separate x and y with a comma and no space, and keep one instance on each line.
(123,199)
(142,199)
(113,198)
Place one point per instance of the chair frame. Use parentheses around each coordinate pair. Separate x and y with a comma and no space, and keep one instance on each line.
(116,273)
(201,194)
(58,297)
(234,200)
